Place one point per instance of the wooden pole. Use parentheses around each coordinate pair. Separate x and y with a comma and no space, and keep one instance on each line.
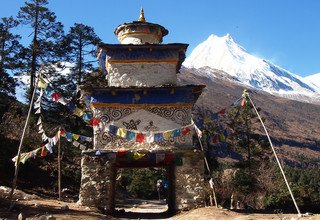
(208,168)
(275,155)
(59,166)
(16,170)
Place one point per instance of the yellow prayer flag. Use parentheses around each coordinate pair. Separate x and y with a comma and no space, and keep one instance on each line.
(75,136)
(137,155)
(167,135)
(122,132)
(78,112)
(42,84)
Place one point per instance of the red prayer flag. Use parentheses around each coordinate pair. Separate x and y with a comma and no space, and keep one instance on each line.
(168,158)
(185,131)
(243,102)
(56,96)
(221,112)
(43,152)
(62,132)
(214,139)
(94,121)
(122,152)
(140,137)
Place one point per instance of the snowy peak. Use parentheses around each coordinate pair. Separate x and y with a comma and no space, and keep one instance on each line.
(314,79)
(223,53)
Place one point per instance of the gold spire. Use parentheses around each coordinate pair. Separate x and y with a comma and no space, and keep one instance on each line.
(141,17)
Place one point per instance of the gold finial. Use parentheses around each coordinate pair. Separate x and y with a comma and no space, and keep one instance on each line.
(141,17)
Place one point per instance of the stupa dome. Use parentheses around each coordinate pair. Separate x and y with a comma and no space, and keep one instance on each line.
(140,32)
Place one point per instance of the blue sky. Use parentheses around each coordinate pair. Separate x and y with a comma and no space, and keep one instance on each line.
(286,32)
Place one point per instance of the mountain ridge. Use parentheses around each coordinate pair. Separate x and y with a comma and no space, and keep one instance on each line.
(224,54)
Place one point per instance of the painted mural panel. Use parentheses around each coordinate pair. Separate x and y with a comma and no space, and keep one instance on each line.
(150,120)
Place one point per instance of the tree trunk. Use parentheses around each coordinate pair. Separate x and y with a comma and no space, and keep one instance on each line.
(80,61)
(34,51)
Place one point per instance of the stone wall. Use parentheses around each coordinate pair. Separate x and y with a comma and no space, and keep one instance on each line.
(97,183)
(142,74)
(189,185)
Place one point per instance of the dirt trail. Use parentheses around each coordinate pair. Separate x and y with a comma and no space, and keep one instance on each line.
(34,207)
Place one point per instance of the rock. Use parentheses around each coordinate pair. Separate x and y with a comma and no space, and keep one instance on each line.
(21,216)
(43,217)
(64,207)
(51,217)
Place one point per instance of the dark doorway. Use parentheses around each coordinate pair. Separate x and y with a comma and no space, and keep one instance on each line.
(142,190)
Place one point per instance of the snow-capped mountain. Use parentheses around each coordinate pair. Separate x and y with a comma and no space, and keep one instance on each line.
(314,79)
(23,81)
(223,53)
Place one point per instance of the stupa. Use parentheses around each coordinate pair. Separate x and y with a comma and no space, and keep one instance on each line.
(143,118)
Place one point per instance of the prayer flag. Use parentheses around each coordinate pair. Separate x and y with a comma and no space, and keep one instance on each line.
(42,83)
(71,106)
(168,158)
(122,132)
(75,136)
(176,132)
(49,147)
(236,102)
(82,147)
(78,112)
(113,129)
(222,137)
(44,137)
(76,143)
(62,132)
(39,121)
(38,111)
(122,152)
(160,157)
(43,151)
(214,139)
(137,155)
(140,137)
(86,117)
(214,116)
(130,136)
(36,105)
(150,138)
(185,131)
(62,100)
(98,153)
(69,136)
(221,112)
(158,137)
(167,135)
(56,96)
(243,102)
(49,91)
(95,121)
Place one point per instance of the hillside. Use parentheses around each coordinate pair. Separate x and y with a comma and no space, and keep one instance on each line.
(293,125)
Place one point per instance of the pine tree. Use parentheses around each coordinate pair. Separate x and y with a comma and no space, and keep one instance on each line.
(10,51)
(46,33)
(80,42)
(244,137)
